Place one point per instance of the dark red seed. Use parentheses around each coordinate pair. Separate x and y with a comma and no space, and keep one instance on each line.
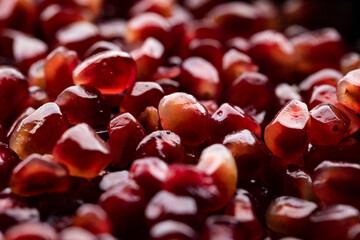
(328,125)
(129,201)
(149,173)
(332,222)
(84,104)
(33,231)
(189,181)
(112,179)
(168,206)
(148,57)
(287,136)
(337,183)
(82,151)
(58,68)
(173,230)
(93,218)
(250,89)
(78,36)
(229,118)
(163,144)
(298,183)
(111,72)
(140,96)
(37,175)
(38,132)
(289,216)
(125,134)
(250,153)
(182,114)
(241,208)
(200,78)
(13,91)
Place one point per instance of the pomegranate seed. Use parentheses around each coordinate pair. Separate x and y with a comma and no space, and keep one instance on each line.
(166,72)
(237,18)
(111,72)
(13,91)
(347,90)
(167,206)
(112,179)
(170,229)
(238,43)
(200,78)
(113,29)
(162,7)
(140,96)
(250,89)
(150,119)
(208,49)
(56,16)
(129,200)
(73,233)
(125,134)
(327,94)
(39,131)
(18,14)
(92,218)
(227,227)
(328,125)
(34,231)
(82,151)
(147,25)
(101,46)
(318,49)
(148,57)
(287,136)
(329,179)
(228,119)
(149,173)
(58,68)
(349,62)
(78,36)
(289,216)
(84,104)
(274,53)
(37,175)
(234,64)
(190,181)
(185,116)
(333,222)
(26,49)
(298,183)
(163,144)
(218,162)
(201,30)
(241,208)
(250,153)
(323,77)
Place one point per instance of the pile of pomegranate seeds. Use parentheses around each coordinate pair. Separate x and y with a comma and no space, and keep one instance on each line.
(179,120)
